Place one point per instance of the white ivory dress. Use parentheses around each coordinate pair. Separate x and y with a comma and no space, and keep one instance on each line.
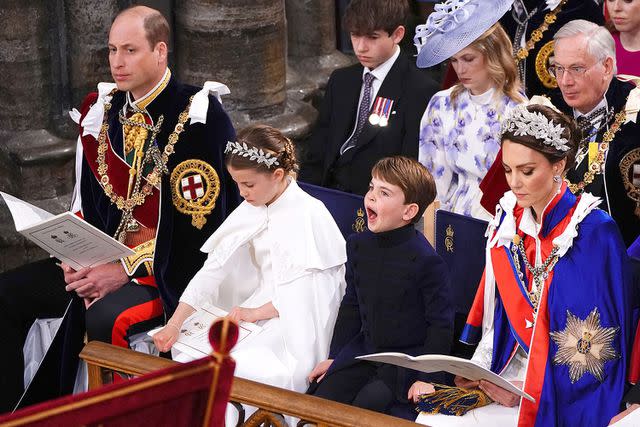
(292,254)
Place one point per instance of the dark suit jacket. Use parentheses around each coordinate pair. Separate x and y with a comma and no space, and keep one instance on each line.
(406,85)
(397,299)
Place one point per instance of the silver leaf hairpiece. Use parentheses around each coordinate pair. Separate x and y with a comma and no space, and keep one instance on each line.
(523,122)
(255,154)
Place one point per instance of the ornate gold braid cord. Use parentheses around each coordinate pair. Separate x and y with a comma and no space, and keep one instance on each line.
(138,195)
(596,166)
(536,35)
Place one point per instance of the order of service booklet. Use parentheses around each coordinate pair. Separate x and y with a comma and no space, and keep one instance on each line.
(194,333)
(438,362)
(65,236)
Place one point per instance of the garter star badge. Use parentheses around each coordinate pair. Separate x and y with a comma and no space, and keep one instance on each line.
(585,346)
(195,187)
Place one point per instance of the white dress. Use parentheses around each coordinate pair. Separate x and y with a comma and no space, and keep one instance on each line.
(292,254)
(458,144)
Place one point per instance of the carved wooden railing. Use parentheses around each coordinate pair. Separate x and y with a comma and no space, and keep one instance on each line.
(103,359)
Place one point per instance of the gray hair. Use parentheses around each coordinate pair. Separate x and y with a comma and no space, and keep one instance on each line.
(600,43)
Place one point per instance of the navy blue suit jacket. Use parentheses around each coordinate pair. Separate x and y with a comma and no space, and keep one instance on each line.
(397,299)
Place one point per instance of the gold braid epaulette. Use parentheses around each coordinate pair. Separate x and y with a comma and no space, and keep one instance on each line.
(537,34)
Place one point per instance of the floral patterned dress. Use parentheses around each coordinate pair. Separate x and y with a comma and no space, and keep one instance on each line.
(458,144)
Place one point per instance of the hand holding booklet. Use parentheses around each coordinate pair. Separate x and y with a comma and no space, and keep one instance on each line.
(454,365)
(65,236)
(194,333)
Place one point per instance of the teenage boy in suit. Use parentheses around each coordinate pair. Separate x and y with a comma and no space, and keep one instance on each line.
(372,109)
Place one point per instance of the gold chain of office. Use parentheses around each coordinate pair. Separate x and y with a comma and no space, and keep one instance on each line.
(537,34)
(139,195)
(596,167)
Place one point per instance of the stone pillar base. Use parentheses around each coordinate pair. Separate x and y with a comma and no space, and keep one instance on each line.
(295,122)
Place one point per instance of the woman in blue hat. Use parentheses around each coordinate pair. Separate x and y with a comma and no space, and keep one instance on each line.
(459,136)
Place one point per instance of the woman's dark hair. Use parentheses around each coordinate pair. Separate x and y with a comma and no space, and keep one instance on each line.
(269,140)
(570,133)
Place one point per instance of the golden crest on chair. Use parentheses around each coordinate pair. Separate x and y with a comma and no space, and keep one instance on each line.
(359,225)
(448,240)
(195,187)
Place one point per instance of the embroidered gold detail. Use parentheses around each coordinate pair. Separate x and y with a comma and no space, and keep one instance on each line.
(585,346)
(144,103)
(143,255)
(448,241)
(138,193)
(542,66)
(537,34)
(630,170)
(205,200)
(359,224)
(597,166)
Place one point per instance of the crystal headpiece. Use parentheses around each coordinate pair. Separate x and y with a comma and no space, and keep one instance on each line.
(523,122)
(253,153)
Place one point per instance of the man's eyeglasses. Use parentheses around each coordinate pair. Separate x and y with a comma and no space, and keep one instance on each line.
(574,71)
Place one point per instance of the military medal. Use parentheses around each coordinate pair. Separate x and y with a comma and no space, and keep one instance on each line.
(381,111)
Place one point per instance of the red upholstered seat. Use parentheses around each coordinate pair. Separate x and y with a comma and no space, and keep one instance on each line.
(191,394)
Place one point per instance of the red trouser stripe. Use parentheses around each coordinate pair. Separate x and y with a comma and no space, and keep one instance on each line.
(136,314)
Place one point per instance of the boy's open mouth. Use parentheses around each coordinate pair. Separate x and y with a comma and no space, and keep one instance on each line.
(371,214)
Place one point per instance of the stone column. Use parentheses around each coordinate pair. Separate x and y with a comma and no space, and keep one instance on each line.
(25,66)
(241,43)
(312,41)
(35,164)
(88,23)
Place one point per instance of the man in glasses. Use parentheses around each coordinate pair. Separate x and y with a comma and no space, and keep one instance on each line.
(608,158)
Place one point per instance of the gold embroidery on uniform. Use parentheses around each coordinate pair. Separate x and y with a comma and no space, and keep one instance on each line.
(628,164)
(359,224)
(203,205)
(448,241)
(542,66)
(585,346)
(139,192)
(143,253)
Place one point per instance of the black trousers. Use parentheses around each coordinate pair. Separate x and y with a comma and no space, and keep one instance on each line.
(364,384)
(37,290)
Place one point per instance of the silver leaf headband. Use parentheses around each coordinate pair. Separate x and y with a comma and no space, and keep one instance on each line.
(253,153)
(523,122)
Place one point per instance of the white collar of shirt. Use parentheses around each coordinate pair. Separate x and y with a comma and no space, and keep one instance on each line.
(601,104)
(381,71)
(484,98)
(134,103)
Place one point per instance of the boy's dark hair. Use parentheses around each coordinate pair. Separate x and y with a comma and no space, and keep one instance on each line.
(412,177)
(367,16)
